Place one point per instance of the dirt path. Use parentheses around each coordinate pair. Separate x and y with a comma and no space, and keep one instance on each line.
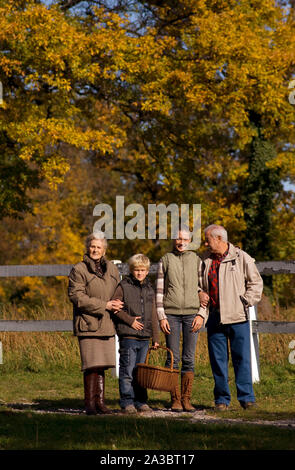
(199,416)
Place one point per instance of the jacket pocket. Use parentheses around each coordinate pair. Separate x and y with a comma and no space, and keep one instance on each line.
(245,306)
(88,323)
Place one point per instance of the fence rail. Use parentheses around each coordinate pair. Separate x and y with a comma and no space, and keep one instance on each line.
(259,326)
(67,325)
(46,270)
(36,325)
(265,268)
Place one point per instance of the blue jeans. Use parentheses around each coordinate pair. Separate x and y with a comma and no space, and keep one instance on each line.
(182,324)
(132,352)
(238,337)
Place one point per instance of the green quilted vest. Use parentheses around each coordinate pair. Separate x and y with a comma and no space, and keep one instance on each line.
(181,283)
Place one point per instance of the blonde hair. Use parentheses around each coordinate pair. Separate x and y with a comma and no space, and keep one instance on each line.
(139,260)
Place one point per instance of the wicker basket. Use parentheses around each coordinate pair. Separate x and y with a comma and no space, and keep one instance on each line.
(157,377)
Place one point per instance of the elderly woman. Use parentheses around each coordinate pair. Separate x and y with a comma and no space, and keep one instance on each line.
(92,283)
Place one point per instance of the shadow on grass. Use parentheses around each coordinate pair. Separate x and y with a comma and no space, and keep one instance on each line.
(235,416)
(62,404)
(29,430)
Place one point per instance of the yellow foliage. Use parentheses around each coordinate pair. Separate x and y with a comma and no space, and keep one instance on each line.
(168,104)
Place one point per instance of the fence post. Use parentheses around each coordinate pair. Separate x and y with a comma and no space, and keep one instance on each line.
(115,370)
(254,347)
(1,353)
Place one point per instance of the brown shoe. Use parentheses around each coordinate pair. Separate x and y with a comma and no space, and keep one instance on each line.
(144,408)
(221,407)
(175,400)
(187,380)
(248,404)
(130,410)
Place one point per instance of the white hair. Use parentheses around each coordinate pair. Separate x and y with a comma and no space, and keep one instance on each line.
(95,236)
(217,231)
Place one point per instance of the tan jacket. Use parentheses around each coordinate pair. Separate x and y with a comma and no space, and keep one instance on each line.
(240,285)
(89,294)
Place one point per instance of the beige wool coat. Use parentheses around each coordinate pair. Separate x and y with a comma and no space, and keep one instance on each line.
(89,293)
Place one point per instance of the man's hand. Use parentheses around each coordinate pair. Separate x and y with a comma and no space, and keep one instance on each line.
(165,327)
(204,299)
(197,323)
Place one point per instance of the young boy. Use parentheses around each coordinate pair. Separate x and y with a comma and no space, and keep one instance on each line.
(135,324)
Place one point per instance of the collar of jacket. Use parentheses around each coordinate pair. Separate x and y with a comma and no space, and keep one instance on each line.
(181,253)
(232,253)
(90,263)
(132,280)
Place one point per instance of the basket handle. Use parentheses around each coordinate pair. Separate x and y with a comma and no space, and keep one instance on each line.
(162,347)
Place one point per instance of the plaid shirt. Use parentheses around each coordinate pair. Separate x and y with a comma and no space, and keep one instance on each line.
(213,279)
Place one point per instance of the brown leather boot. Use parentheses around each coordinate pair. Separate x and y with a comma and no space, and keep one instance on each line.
(175,400)
(90,386)
(187,380)
(100,404)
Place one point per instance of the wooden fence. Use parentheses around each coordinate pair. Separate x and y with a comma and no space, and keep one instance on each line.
(256,326)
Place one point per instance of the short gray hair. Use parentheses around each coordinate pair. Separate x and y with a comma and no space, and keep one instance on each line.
(217,231)
(95,236)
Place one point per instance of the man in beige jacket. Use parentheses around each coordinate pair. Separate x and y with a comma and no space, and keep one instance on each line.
(233,283)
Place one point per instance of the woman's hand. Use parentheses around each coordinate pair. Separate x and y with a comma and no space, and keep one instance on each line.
(114,305)
(155,345)
(165,327)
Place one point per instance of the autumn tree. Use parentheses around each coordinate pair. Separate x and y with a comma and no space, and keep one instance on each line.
(226,61)
(159,92)
(48,61)
(262,186)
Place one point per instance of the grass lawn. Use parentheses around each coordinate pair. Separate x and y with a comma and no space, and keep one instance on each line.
(55,388)
(33,431)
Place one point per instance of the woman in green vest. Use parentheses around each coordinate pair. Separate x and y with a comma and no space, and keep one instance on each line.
(178,303)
